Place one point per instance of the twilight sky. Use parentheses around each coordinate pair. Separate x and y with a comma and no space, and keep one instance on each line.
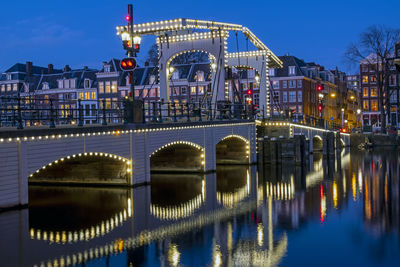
(82,33)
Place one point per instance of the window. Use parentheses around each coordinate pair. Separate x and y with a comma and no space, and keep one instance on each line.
(275,97)
(292,96)
(101,87)
(152,79)
(292,70)
(251,73)
(87,83)
(72,83)
(256,99)
(176,91)
(299,83)
(201,90)
(8,77)
(299,96)
(284,97)
(3,88)
(123,93)
(87,110)
(15,87)
(108,103)
(193,90)
(93,95)
(271,72)
(275,84)
(364,68)
(365,92)
(9,87)
(66,83)
(175,75)
(45,86)
(183,90)
(93,110)
(284,84)
(364,79)
(292,83)
(107,68)
(374,92)
(80,95)
(108,87)
(392,80)
(374,105)
(199,76)
(300,109)
(366,105)
(372,79)
(60,84)
(114,87)
(87,95)
(152,92)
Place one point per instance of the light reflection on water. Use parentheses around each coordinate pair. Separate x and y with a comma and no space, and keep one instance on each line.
(343,211)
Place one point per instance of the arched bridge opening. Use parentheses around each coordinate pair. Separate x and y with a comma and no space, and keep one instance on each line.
(233,149)
(317,142)
(178,157)
(87,168)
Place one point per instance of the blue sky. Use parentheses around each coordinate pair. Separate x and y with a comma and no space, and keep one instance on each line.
(82,33)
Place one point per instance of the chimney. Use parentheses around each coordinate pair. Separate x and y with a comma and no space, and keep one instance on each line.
(29,68)
(67,68)
(146,64)
(50,69)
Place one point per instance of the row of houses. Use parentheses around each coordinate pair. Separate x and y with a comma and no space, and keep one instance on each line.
(294,89)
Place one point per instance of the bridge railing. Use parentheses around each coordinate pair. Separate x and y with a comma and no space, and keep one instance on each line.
(308,121)
(21,112)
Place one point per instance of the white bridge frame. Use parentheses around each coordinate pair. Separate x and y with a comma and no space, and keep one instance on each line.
(177,36)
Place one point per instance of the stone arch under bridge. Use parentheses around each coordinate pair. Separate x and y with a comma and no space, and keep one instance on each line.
(178,35)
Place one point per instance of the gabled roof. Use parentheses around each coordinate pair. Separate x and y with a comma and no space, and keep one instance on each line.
(290,61)
(20,67)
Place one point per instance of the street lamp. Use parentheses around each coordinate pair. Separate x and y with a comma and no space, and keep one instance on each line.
(213,66)
(257,78)
(137,39)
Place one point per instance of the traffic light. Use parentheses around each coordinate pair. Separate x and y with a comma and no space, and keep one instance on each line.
(128,64)
(320,107)
(128,18)
(320,87)
(249,92)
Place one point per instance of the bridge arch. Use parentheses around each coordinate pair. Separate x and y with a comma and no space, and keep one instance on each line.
(124,174)
(233,149)
(317,143)
(178,156)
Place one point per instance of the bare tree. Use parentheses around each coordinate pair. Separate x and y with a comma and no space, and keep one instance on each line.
(376,47)
(185,58)
(152,55)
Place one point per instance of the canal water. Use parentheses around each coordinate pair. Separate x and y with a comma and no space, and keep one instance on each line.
(344,211)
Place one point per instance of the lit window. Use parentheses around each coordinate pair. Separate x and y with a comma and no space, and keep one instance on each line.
(15,87)
(152,79)
(374,92)
(374,105)
(193,90)
(366,105)
(101,87)
(365,79)
(8,87)
(87,95)
(200,76)
(93,95)
(201,90)
(365,92)
(300,109)
(114,87)
(80,96)
(153,92)
(372,79)
(3,88)
(175,75)
(108,87)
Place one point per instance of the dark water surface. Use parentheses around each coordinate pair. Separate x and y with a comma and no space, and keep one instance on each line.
(343,212)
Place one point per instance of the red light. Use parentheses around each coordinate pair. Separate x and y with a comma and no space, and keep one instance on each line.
(249,92)
(320,87)
(130,64)
(320,107)
(123,64)
(127,18)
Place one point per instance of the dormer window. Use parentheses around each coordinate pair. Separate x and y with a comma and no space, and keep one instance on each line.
(175,75)
(86,83)
(199,76)
(45,86)
(292,70)
(251,73)
(107,68)
(60,84)
(8,76)
(152,79)
(72,83)
(271,72)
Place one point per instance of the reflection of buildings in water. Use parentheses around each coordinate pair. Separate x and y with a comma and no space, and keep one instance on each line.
(381,192)
(233,185)
(280,190)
